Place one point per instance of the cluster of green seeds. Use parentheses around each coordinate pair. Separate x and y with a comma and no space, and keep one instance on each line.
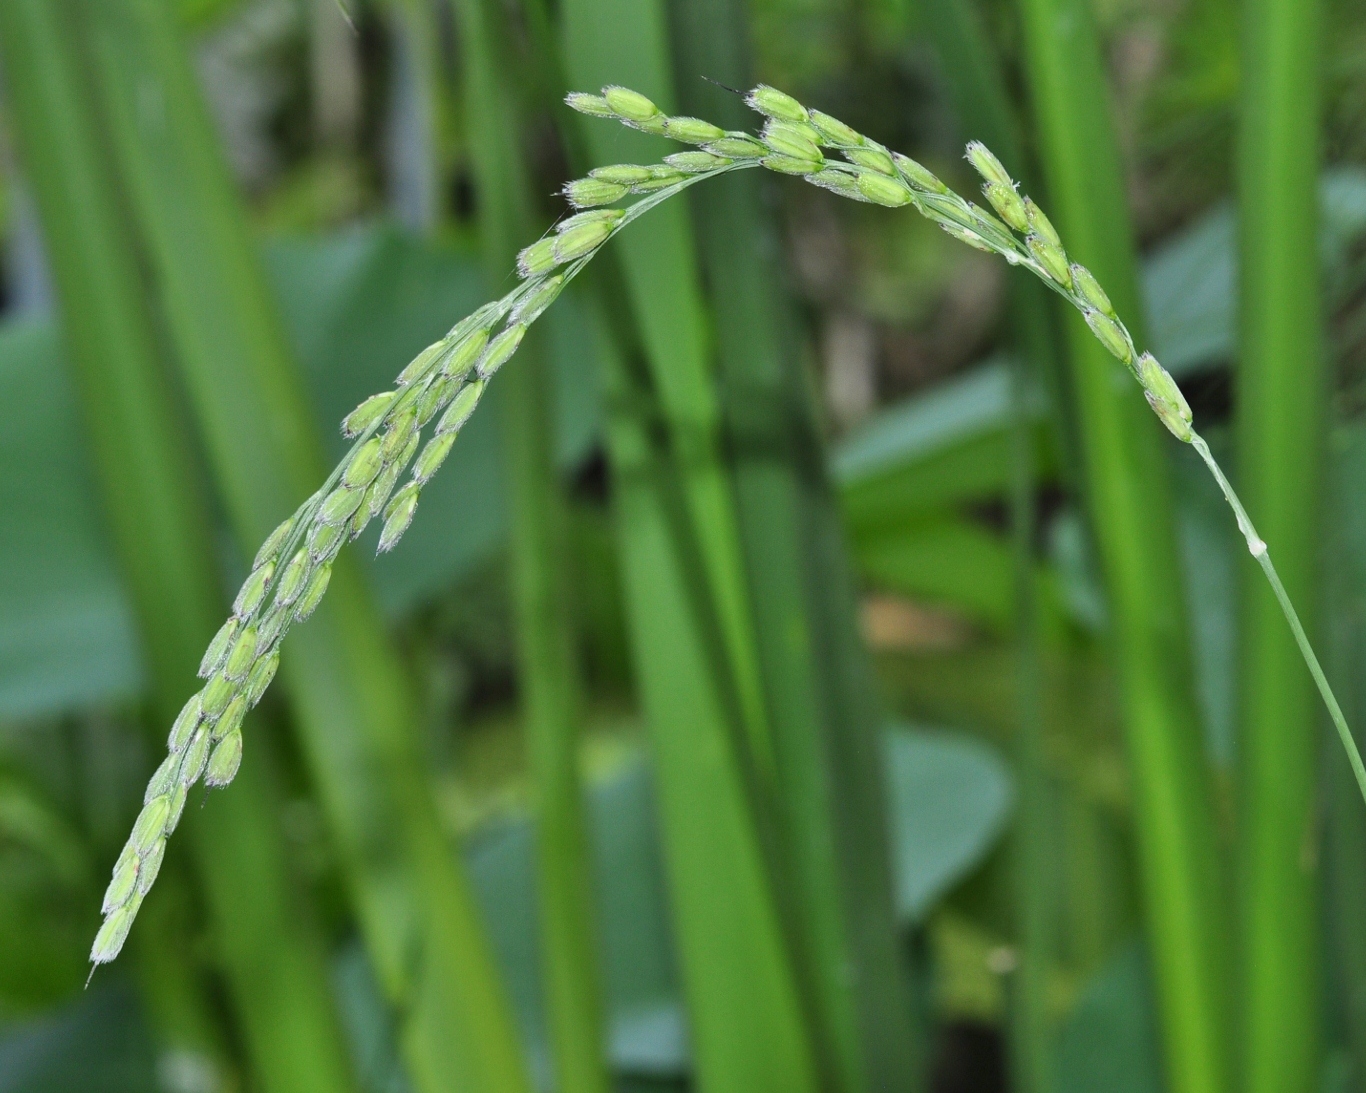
(292,570)
(797,141)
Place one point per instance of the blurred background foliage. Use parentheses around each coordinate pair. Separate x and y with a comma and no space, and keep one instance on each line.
(766,665)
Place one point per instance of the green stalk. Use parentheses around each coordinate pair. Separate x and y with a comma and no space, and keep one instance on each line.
(750,1012)
(825,722)
(625,41)
(548,676)
(1131,514)
(748,1031)
(1345,834)
(975,79)
(351,702)
(1281,419)
(271,952)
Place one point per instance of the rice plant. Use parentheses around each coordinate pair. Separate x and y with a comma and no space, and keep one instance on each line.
(291,571)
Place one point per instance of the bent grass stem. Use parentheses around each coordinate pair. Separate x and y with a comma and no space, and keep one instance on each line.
(290,574)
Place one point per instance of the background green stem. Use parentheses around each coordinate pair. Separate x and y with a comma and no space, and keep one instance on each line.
(1280,422)
(352,705)
(1130,505)
(548,675)
(268,943)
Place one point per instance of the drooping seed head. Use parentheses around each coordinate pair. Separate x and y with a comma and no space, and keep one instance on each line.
(1088,288)
(773,103)
(874,159)
(694,163)
(1110,334)
(881,190)
(692,130)
(1051,257)
(253,591)
(464,355)
(918,175)
(459,411)
(313,592)
(501,349)
(630,105)
(226,759)
(594,106)
(367,413)
(737,146)
(1008,203)
(185,723)
(834,131)
(218,648)
(274,541)
(260,678)
(585,193)
(397,516)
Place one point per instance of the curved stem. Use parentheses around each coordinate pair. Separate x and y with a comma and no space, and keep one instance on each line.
(1258,550)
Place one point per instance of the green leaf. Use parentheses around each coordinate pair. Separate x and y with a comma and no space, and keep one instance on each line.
(1109,1043)
(950,799)
(941,448)
(67,635)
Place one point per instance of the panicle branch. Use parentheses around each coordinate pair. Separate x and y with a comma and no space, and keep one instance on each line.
(290,574)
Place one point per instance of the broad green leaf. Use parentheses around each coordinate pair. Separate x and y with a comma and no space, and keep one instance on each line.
(946,446)
(954,562)
(950,797)
(1190,279)
(1109,1043)
(67,636)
